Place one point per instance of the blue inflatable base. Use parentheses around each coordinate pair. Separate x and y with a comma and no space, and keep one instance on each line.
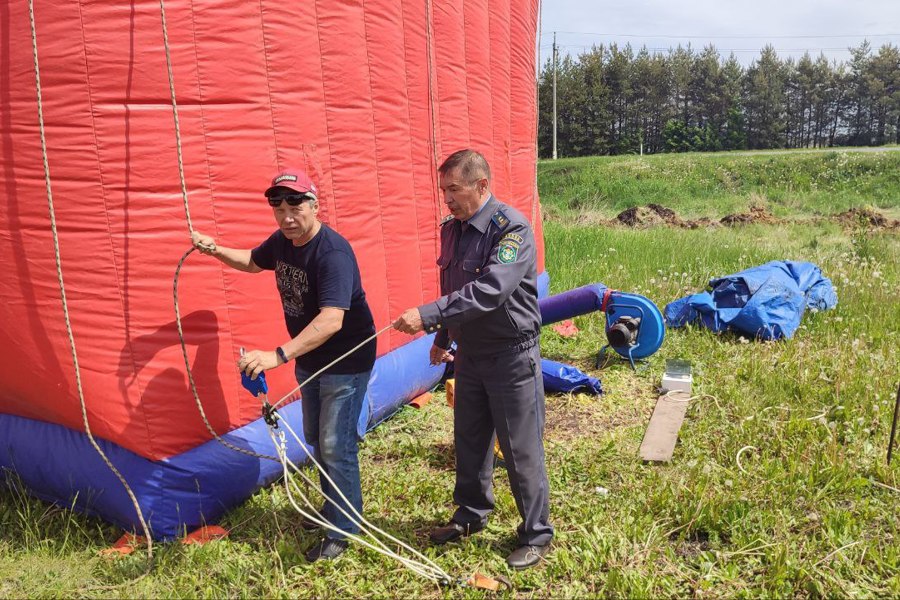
(197,487)
(176,495)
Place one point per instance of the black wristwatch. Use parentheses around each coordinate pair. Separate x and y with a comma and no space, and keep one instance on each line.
(281,354)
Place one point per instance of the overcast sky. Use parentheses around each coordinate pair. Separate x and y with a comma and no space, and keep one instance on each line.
(745,27)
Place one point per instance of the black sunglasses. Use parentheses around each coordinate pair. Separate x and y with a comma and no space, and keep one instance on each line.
(291,199)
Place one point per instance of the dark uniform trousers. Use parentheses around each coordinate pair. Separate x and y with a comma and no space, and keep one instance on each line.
(503,392)
(490,308)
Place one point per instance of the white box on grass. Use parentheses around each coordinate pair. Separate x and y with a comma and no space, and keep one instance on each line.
(677,377)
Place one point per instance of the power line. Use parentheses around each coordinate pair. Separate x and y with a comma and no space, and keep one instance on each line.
(588,47)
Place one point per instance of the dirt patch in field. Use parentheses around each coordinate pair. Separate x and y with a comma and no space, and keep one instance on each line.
(689,549)
(649,216)
(571,421)
(625,403)
(700,223)
(866,217)
(757,215)
(593,219)
(656,215)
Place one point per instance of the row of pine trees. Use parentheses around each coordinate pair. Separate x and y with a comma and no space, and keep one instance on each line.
(612,100)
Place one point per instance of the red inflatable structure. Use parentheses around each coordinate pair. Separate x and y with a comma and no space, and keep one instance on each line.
(369,97)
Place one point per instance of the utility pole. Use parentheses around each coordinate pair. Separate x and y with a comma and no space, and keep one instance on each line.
(554,95)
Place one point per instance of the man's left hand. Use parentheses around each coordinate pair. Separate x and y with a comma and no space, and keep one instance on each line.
(409,322)
(256,361)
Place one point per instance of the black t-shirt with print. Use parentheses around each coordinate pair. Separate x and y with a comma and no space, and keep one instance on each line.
(321,273)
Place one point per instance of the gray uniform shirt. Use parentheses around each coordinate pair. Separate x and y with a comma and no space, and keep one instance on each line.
(489,281)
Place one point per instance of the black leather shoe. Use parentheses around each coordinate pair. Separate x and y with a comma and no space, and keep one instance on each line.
(524,557)
(453,531)
(327,549)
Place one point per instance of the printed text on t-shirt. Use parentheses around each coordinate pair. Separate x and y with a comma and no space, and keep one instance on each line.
(292,284)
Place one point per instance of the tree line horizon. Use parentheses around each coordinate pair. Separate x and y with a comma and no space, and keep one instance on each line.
(612,100)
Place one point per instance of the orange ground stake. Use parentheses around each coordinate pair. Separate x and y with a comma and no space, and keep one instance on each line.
(204,535)
(483,582)
(125,545)
(421,400)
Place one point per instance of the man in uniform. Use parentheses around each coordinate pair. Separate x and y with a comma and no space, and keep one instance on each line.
(490,309)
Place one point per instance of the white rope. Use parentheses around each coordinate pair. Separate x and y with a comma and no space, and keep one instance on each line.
(679,396)
(737,457)
(429,64)
(883,485)
(424,567)
(361,520)
(62,291)
(193,385)
(376,544)
(432,109)
(821,414)
(187,214)
(332,363)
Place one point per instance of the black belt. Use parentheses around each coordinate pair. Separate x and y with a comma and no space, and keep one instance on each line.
(513,347)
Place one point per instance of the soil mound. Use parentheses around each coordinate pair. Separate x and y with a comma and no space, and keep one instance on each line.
(757,214)
(701,222)
(866,217)
(649,216)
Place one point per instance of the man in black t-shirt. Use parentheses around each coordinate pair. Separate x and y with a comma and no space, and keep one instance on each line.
(326,314)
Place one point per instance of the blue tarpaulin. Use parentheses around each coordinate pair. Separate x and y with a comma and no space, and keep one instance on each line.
(560,377)
(763,302)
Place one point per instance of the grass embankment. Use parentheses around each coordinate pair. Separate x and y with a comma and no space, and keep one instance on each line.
(796,184)
(799,516)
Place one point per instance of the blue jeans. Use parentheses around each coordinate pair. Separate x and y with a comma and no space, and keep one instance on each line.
(331,407)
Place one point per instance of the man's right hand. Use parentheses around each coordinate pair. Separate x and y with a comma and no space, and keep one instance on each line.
(203,243)
(439,355)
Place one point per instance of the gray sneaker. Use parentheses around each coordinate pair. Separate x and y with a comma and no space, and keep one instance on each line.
(327,549)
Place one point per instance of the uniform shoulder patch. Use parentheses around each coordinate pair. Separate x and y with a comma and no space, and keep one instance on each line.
(500,219)
(508,250)
(446,219)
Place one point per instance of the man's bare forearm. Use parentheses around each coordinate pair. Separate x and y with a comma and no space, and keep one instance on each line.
(328,322)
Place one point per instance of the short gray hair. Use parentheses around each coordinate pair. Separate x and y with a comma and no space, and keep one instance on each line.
(471,164)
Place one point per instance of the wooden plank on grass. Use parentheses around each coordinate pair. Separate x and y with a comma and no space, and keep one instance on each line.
(662,431)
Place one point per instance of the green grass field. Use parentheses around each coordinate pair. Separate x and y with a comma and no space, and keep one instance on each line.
(713,185)
(800,516)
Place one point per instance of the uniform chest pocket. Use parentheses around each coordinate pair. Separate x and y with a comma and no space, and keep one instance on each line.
(472,267)
(443,262)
